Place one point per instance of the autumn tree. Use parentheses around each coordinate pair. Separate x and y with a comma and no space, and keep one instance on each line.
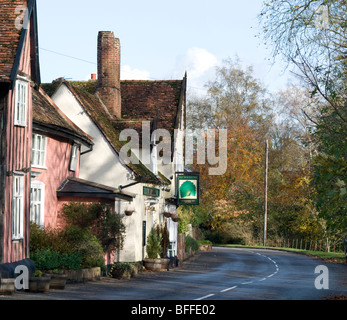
(311,36)
(238,102)
(232,204)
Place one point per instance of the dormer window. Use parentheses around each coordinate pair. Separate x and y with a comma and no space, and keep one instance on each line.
(21,103)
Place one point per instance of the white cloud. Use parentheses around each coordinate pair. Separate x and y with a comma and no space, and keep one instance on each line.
(128,73)
(200,66)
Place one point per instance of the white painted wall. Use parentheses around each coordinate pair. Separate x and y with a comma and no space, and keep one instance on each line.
(102,165)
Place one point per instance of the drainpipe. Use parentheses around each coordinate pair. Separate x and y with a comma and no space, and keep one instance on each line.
(129,185)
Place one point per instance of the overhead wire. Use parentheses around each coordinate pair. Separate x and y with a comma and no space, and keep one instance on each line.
(94,63)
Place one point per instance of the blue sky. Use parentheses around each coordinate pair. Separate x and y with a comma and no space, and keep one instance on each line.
(159,39)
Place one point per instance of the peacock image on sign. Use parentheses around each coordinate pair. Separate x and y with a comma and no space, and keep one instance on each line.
(188,190)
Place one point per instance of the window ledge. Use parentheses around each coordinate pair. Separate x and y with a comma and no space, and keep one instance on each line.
(39,167)
(20,125)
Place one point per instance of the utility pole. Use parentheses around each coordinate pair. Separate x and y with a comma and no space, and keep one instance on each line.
(265,189)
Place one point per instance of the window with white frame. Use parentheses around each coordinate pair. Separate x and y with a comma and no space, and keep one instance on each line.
(18,206)
(20,110)
(38,150)
(37,202)
(73,159)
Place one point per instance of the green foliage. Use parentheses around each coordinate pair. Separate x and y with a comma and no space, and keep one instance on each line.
(329,179)
(204,242)
(153,247)
(62,247)
(163,233)
(192,244)
(46,259)
(37,274)
(106,225)
(120,270)
(318,51)
(84,242)
(47,238)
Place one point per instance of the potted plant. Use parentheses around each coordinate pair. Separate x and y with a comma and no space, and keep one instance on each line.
(7,286)
(175,217)
(166,214)
(58,279)
(39,283)
(153,261)
(128,212)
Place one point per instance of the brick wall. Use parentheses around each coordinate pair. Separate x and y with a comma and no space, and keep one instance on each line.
(109,72)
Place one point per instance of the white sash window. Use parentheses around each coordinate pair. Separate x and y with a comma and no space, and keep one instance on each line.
(37,202)
(18,206)
(38,151)
(20,110)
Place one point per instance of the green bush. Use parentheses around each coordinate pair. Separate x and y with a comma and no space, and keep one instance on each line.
(84,242)
(48,238)
(121,270)
(191,243)
(204,242)
(48,246)
(153,247)
(46,259)
(163,233)
(106,225)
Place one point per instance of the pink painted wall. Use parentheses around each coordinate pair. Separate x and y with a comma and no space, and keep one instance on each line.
(18,159)
(58,152)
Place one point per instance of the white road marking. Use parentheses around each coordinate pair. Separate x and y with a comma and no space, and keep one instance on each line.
(247,282)
(228,289)
(205,297)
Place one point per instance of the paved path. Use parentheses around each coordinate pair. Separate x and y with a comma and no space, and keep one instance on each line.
(223,274)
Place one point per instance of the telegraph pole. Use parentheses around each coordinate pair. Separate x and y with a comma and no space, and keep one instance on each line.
(265,189)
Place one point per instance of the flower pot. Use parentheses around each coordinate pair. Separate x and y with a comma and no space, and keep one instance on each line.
(58,281)
(6,286)
(156,264)
(39,284)
(167,214)
(128,212)
(175,217)
(205,247)
(74,275)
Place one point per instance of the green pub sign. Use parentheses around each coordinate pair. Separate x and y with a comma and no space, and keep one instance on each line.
(152,192)
(188,189)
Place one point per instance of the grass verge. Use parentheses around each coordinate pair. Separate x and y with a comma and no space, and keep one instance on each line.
(335,257)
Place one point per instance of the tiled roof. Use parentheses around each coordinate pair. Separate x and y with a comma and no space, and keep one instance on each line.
(154,101)
(149,100)
(9,36)
(46,113)
(95,109)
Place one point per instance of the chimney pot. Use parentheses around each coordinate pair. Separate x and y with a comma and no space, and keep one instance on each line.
(93,76)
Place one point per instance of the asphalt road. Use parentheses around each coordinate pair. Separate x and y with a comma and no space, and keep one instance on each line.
(223,274)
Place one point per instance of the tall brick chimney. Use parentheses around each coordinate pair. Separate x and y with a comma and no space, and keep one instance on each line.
(108,88)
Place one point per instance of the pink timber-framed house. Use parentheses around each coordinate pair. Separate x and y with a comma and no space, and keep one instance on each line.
(19,76)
